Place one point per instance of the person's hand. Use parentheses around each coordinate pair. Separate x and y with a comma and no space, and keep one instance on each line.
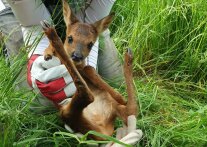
(50,78)
(128,134)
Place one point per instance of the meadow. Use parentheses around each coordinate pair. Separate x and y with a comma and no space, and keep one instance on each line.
(169,41)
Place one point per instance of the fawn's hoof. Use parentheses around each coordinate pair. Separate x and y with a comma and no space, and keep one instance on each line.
(79,83)
(129,57)
(129,51)
(47,57)
(45,24)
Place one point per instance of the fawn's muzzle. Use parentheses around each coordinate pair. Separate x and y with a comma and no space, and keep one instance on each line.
(76,57)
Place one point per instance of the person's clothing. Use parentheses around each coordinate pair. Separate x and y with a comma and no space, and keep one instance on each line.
(3,4)
(109,65)
(11,29)
(32,35)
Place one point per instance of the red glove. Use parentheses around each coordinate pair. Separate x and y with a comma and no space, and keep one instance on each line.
(50,78)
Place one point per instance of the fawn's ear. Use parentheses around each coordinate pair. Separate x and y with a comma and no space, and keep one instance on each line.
(104,23)
(68,15)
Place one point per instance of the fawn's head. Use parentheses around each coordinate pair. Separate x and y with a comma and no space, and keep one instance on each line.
(80,37)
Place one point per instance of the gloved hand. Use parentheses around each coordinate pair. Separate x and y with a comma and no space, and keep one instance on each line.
(50,78)
(128,134)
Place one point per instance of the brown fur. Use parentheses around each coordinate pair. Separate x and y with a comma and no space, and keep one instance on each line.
(95,105)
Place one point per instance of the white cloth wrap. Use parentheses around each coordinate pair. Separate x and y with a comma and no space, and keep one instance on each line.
(128,134)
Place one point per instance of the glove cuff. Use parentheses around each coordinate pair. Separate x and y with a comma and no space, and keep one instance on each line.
(29,66)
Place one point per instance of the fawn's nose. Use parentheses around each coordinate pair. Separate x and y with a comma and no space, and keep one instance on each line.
(76,56)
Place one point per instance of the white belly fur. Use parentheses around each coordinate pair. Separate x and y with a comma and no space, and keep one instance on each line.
(102,109)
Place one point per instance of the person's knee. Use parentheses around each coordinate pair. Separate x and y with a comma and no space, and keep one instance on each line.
(29,12)
(11,31)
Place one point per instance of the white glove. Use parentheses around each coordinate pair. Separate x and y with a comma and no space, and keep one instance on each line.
(128,134)
(50,78)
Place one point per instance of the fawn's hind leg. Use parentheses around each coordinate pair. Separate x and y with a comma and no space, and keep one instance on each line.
(131,108)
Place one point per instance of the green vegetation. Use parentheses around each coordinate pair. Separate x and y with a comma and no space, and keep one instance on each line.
(169,40)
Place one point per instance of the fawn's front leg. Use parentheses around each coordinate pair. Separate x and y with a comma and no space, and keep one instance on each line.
(49,52)
(91,74)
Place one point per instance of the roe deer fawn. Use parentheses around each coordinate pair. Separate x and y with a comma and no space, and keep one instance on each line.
(95,104)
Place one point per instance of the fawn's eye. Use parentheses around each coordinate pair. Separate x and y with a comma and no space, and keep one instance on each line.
(70,39)
(90,45)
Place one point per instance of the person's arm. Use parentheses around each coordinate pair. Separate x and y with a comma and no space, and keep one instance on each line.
(47,78)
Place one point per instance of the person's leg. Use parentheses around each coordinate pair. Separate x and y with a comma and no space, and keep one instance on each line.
(109,65)
(29,13)
(12,33)
(5,3)
(13,40)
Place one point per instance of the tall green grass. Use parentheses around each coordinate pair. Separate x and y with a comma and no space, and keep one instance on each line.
(169,43)
(168,36)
